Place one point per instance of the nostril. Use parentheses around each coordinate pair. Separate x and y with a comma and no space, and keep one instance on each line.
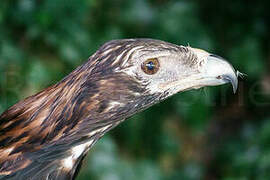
(219,77)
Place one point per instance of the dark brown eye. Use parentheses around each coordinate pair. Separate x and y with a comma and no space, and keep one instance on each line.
(150,66)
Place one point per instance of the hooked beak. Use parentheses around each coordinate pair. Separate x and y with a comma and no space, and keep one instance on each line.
(219,71)
(212,70)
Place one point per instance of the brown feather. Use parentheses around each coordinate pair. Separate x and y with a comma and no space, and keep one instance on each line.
(40,131)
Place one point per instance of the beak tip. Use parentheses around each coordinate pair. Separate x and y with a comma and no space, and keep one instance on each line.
(233,79)
(228,74)
(234,82)
(234,90)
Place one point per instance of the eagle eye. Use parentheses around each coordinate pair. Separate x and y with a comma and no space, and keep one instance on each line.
(150,66)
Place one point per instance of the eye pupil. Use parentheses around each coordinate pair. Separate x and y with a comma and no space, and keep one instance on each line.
(150,66)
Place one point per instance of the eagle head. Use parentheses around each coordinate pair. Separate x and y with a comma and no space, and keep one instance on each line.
(146,71)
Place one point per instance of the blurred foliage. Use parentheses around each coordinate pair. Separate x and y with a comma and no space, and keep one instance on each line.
(203,134)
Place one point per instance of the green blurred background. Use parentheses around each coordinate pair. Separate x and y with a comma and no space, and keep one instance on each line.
(203,134)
